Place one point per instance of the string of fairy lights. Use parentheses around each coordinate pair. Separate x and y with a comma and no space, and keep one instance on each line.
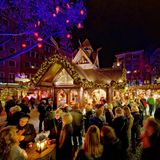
(76,77)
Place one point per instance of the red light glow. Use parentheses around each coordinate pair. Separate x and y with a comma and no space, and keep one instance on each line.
(82,12)
(67,21)
(54,15)
(36,34)
(39,45)
(79,26)
(39,39)
(24,45)
(68,36)
(57,9)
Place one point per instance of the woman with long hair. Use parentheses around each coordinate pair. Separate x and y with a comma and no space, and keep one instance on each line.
(92,148)
(65,139)
(9,145)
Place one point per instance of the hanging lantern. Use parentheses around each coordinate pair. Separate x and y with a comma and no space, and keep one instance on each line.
(41,141)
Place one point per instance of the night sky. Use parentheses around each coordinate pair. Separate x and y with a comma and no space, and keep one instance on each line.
(120,25)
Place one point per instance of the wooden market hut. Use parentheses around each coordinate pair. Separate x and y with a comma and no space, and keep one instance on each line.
(80,79)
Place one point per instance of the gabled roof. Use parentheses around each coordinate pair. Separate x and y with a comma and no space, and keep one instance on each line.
(86,78)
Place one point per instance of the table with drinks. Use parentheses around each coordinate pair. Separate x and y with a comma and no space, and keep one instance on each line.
(48,154)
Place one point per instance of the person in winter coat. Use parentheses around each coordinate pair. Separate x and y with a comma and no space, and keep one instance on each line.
(77,124)
(150,139)
(65,140)
(97,119)
(120,125)
(26,131)
(42,112)
(9,145)
(92,149)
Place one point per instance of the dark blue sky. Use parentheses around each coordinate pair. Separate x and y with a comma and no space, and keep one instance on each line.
(121,25)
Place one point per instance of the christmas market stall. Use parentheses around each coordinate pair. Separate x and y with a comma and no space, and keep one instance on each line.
(78,81)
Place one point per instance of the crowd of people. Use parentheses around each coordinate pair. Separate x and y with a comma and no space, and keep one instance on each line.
(121,130)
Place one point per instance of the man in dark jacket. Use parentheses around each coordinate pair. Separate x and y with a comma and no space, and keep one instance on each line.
(120,126)
(42,112)
(26,131)
(10,103)
(24,106)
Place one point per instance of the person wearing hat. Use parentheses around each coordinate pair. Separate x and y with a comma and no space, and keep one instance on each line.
(26,131)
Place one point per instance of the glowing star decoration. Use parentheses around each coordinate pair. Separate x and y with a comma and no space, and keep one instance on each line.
(47,18)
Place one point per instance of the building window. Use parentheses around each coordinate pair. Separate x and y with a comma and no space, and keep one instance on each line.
(2,63)
(11,77)
(1,48)
(12,50)
(28,54)
(5,22)
(37,65)
(32,54)
(12,63)
(27,64)
(37,55)
(2,77)
(43,58)
(135,56)
(32,65)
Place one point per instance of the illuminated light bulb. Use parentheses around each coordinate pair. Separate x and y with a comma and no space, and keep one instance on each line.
(82,12)
(68,36)
(24,45)
(67,21)
(39,39)
(57,10)
(36,34)
(39,45)
(54,15)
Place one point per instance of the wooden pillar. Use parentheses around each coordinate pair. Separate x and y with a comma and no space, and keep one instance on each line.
(109,94)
